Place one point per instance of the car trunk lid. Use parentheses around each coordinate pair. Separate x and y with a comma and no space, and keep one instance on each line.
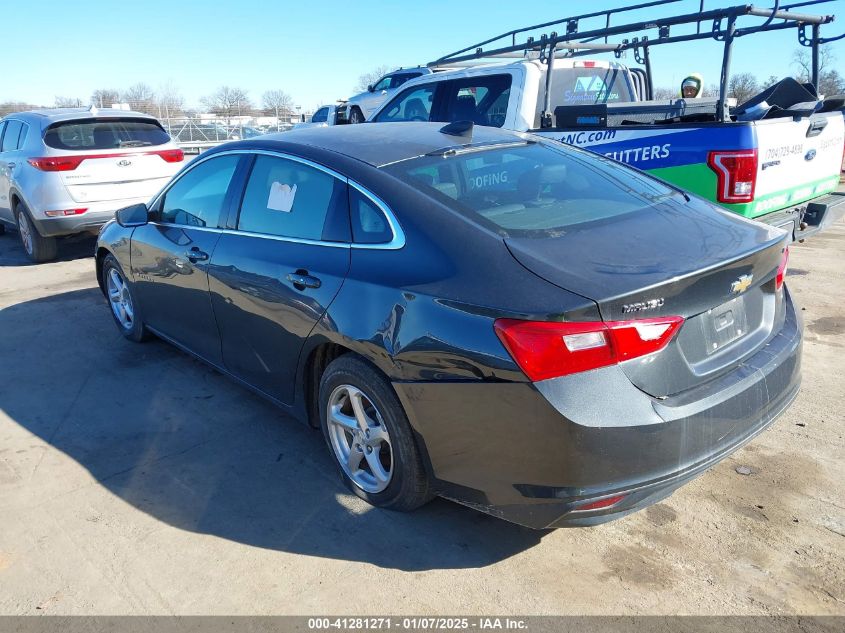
(674,259)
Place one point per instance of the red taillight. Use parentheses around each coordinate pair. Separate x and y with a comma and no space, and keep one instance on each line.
(171,155)
(549,349)
(607,502)
(737,174)
(69,163)
(784,262)
(60,212)
(56,163)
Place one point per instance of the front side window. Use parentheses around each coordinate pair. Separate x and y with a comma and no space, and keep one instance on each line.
(533,189)
(197,198)
(383,84)
(482,100)
(286,198)
(105,133)
(320,116)
(10,136)
(412,105)
(2,130)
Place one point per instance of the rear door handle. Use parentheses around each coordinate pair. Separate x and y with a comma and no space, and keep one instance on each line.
(196,255)
(302,280)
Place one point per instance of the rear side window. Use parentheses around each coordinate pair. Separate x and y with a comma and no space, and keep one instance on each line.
(412,105)
(22,135)
(197,198)
(11,135)
(482,100)
(398,80)
(369,224)
(108,133)
(286,198)
(533,190)
(587,86)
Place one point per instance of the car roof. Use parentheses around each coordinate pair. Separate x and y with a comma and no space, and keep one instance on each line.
(380,144)
(47,116)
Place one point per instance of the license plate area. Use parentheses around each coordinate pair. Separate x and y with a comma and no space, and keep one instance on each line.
(725,324)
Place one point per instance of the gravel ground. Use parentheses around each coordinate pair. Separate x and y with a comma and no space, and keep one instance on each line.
(135,480)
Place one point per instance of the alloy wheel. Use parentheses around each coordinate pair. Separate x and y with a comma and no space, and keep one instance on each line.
(359,438)
(120,299)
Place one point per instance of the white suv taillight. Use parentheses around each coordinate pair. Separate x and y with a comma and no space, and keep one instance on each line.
(737,174)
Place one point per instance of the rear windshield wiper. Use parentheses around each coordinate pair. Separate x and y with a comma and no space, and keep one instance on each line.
(133,143)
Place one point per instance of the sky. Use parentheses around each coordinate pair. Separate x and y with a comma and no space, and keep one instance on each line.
(316,51)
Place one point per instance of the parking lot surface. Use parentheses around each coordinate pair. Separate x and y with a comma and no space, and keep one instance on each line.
(136,480)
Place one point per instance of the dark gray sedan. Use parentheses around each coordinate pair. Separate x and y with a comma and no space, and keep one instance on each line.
(533,330)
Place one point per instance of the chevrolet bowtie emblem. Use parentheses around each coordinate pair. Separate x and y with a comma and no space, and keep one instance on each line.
(742,284)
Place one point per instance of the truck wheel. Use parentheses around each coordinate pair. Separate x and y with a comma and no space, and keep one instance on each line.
(356,116)
(36,247)
(369,436)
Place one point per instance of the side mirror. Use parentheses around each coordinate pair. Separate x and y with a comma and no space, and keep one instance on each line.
(370,88)
(135,215)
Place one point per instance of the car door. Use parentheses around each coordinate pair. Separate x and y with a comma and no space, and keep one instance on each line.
(10,133)
(373,99)
(170,255)
(274,275)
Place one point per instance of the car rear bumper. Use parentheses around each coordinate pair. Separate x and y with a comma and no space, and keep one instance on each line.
(810,218)
(89,222)
(532,453)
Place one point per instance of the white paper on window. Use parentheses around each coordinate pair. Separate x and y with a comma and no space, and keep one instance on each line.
(281,197)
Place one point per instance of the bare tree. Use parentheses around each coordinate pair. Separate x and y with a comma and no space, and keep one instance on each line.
(803,62)
(743,86)
(370,78)
(830,81)
(662,92)
(768,83)
(278,102)
(105,97)
(7,107)
(169,101)
(228,102)
(140,97)
(68,102)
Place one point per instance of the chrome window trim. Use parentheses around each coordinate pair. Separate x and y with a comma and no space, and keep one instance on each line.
(396,243)
(398,240)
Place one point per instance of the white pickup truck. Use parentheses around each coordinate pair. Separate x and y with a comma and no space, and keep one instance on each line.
(782,170)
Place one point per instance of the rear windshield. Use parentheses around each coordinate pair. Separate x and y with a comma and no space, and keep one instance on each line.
(105,134)
(588,86)
(533,190)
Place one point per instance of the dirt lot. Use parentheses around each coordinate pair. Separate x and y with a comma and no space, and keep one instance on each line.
(135,480)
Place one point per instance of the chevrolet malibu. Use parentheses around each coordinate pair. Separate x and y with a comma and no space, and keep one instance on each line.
(532,330)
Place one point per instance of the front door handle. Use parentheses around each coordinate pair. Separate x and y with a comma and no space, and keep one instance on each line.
(302,280)
(11,165)
(196,255)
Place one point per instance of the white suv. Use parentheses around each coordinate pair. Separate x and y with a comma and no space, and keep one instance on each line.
(66,171)
(359,108)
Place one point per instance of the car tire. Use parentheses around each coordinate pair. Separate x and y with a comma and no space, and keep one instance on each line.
(389,441)
(122,301)
(37,247)
(356,116)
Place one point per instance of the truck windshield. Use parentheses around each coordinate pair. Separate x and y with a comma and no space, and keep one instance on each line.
(589,85)
(532,190)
